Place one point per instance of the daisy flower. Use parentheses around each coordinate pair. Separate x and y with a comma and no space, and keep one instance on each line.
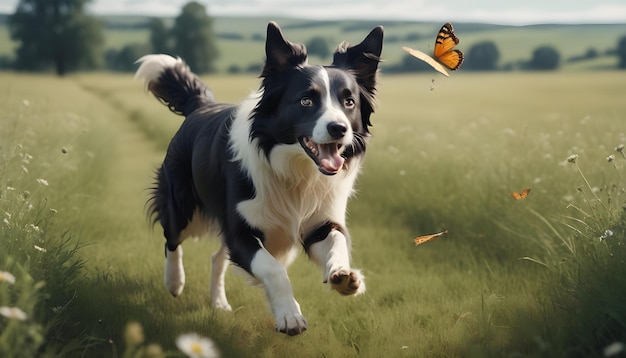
(7,277)
(12,313)
(195,346)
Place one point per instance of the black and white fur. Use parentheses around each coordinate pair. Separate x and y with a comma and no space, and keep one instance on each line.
(272,173)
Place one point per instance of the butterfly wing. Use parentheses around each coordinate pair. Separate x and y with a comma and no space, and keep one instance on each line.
(524,193)
(452,59)
(422,239)
(444,44)
(521,195)
(429,60)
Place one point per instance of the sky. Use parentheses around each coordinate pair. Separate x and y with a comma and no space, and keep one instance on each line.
(519,12)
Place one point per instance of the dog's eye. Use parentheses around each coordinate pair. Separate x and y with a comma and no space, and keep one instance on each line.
(306,102)
(349,102)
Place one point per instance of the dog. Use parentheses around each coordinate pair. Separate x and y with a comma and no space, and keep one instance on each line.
(272,173)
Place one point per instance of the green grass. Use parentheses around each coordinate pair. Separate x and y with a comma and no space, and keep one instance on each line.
(512,278)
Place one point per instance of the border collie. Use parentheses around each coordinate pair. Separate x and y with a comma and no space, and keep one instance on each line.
(272,173)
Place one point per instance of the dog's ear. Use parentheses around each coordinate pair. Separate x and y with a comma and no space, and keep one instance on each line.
(362,60)
(281,55)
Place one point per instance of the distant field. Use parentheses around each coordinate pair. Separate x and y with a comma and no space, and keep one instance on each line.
(446,153)
(514,43)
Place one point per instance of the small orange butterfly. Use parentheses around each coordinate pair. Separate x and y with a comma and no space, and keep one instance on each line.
(443,52)
(521,195)
(422,239)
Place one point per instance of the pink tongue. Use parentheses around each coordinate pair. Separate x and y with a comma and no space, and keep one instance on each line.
(329,157)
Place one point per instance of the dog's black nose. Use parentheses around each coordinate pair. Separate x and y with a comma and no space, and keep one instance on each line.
(336,130)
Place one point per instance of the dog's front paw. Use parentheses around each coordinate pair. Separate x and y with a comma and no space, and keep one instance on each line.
(221,304)
(292,324)
(289,320)
(348,282)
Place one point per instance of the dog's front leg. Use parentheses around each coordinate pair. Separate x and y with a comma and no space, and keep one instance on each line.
(251,255)
(274,277)
(329,247)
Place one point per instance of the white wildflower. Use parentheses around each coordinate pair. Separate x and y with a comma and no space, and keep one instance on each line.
(619,148)
(195,346)
(25,102)
(26,158)
(10,188)
(40,249)
(607,233)
(610,158)
(43,182)
(24,169)
(7,277)
(12,313)
(32,228)
(613,349)
(572,158)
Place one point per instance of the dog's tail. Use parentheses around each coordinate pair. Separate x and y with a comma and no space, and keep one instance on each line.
(171,81)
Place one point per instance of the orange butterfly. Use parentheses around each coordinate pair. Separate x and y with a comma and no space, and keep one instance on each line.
(443,53)
(521,195)
(422,239)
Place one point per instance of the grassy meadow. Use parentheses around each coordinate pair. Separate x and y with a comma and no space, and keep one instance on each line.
(540,277)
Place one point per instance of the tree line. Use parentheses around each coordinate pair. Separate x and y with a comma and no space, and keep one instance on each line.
(58,35)
(485,56)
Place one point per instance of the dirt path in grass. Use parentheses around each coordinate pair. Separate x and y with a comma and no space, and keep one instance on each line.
(124,255)
(121,230)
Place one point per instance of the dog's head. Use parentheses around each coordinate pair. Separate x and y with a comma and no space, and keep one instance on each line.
(324,109)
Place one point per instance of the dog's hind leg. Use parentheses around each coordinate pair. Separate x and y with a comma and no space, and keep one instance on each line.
(329,247)
(219,264)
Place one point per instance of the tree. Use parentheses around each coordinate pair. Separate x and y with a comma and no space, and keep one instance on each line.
(194,40)
(545,58)
(159,36)
(55,34)
(482,56)
(318,46)
(124,59)
(621,52)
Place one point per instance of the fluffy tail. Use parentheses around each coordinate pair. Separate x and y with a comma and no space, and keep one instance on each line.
(172,82)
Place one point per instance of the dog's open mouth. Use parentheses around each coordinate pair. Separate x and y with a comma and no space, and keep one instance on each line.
(327,155)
